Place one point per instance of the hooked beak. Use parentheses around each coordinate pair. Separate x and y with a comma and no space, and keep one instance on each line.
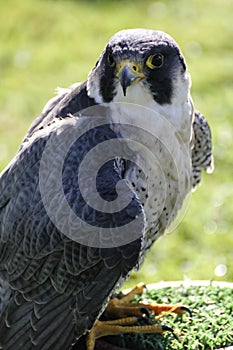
(128,74)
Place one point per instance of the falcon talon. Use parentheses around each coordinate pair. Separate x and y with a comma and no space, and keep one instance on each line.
(142,285)
(145,313)
(118,295)
(186,309)
(55,264)
(167,329)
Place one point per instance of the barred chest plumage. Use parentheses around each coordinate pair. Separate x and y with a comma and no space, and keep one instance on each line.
(160,170)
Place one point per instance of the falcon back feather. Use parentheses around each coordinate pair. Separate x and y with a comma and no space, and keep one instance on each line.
(53,288)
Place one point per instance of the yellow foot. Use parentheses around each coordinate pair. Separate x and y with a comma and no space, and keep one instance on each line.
(161,310)
(120,326)
(122,314)
(123,307)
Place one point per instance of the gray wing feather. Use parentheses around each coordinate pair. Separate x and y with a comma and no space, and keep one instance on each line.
(51,287)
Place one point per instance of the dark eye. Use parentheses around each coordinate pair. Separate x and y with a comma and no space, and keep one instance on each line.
(111,61)
(155,61)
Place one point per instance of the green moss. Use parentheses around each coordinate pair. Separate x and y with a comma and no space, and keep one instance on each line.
(210,327)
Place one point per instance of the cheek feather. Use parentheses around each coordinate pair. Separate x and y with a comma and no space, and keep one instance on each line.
(93,86)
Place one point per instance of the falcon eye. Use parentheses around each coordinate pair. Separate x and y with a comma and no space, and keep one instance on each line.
(155,61)
(111,60)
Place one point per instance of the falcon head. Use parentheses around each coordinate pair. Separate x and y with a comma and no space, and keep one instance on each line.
(139,63)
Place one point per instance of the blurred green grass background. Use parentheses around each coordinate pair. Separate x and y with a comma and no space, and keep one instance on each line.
(44,44)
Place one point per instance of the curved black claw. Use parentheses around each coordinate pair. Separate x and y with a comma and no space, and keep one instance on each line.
(169,329)
(185,308)
(145,313)
(118,295)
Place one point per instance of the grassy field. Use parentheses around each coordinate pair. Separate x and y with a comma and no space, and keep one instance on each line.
(44,44)
(210,326)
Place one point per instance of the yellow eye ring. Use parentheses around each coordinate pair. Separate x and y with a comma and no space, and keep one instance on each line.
(155,61)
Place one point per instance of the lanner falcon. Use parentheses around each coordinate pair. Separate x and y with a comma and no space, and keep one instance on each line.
(58,268)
